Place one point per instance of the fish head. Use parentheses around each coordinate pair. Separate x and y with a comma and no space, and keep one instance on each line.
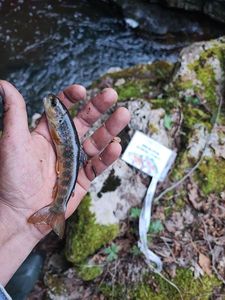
(54,109)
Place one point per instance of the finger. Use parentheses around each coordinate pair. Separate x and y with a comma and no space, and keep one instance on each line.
(93,110)
(104,135)
(14,115)
(86,174)
(69,97)
(99,163)
(72,94)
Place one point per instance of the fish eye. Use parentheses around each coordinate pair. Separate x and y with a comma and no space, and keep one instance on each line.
(53,102)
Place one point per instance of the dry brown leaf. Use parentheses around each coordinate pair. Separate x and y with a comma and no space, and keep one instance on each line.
(193,196)
(205,264)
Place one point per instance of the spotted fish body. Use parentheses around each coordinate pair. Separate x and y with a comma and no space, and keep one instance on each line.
(67,147)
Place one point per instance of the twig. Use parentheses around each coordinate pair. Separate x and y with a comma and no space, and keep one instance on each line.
(176,184)
(170,250)
(113,277)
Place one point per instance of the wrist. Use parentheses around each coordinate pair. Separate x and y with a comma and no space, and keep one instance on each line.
(17,239)
(13,221)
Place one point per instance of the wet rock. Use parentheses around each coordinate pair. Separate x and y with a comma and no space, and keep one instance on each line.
(213,9)
(147,18)
(187,5)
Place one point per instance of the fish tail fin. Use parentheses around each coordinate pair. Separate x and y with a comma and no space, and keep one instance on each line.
(47,215)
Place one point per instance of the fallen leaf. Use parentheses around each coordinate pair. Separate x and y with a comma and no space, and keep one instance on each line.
(193,196)
(205,264)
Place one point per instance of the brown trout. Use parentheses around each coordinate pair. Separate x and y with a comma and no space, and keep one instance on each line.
(67,146)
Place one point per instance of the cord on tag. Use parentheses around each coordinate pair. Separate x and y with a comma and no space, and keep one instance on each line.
(144,222)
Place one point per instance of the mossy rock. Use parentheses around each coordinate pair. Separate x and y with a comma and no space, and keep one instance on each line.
(201,73)
(140,81)
(85,236)
(190,288)
(89,272)
(198,84)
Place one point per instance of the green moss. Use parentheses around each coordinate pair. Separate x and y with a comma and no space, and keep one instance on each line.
(166,103)
(85,236)
(193,116)
(152,129)
(184,85)
(114,292)
(157,71)
(140,80)
(181,84)
(205,73)
(211,176)
(55,284)
(190,288)
(168,210)
(133,89)
(183,163)
(180,200)
(89,272)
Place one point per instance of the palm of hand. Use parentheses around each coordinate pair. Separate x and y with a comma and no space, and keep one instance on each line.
(27,160)
(27,172)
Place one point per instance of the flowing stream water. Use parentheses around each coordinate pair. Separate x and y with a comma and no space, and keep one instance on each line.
(47,45)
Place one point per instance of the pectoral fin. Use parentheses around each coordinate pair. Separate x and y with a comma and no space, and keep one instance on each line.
(55,137)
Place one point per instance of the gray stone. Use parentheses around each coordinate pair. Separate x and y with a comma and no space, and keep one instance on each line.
(214,9)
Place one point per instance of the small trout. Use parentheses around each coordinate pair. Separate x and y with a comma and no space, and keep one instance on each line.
(67,145)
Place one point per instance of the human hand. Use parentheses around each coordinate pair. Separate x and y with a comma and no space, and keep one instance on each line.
(27,160)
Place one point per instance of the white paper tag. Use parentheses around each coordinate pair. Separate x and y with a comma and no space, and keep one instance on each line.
(149,156)
(155,160)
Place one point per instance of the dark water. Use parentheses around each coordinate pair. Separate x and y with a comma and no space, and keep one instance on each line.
(47,45)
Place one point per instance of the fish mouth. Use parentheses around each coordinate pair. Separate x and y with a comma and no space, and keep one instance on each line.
(47,102)
(49,110)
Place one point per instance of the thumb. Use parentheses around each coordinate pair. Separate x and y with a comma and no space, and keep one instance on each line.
(14,114)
